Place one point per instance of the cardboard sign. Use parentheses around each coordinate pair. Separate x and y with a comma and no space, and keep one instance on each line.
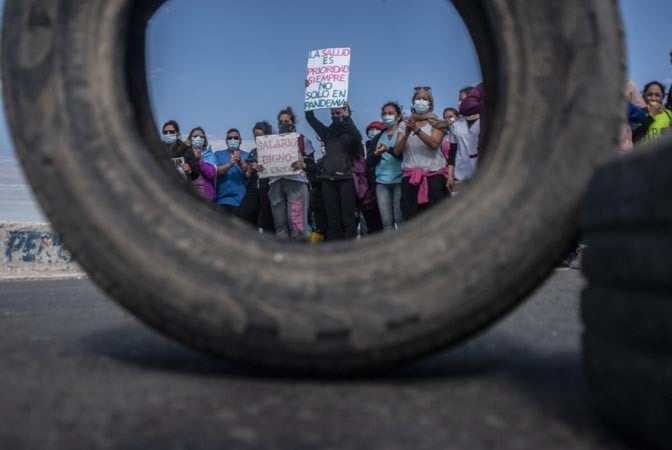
(328,75)
(276,153)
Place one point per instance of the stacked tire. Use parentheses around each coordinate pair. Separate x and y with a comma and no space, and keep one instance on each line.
(627,305)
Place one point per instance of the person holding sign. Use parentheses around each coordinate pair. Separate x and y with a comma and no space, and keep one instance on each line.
(424,171)
(179,152)
(231,168)
(343,143)
(289,194)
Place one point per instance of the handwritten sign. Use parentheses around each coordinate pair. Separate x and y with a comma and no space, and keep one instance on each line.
(328,75)
(277,152)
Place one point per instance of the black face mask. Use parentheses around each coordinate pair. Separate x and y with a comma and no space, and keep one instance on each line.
(286,128)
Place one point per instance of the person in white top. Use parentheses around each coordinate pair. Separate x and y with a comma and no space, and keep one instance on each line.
(423,182)
(464,135)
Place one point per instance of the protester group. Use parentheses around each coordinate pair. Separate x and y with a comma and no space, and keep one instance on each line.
(359,185)
(363,184)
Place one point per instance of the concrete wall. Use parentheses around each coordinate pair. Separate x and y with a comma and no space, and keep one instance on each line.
(33,250)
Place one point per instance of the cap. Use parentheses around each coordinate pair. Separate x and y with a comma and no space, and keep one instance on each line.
(377,125)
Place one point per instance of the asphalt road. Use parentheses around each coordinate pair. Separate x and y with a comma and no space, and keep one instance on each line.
(77,372)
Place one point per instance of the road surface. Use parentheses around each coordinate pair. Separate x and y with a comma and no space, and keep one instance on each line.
(79,373)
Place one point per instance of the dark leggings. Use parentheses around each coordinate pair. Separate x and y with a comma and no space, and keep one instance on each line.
(409,195)
(340,201)
(256,209)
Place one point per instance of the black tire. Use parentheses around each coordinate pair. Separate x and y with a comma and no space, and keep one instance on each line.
(632,390)
(639,260)
(633,192)
(639,319)
(547,66)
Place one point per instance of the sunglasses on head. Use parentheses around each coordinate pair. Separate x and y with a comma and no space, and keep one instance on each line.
(422,88)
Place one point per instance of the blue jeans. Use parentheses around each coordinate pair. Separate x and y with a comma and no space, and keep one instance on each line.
(389,204)
(289,204)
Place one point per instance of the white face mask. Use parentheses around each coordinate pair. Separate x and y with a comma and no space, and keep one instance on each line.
(197,142)
(421,106)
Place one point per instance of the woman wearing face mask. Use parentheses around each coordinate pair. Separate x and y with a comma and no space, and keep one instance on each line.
(658,119)
(424,172)
(450,116)
(231,169)
(386,166)
(343,143)
(178,149)
(373,130)
(204,184)
(255,207)
(289,195)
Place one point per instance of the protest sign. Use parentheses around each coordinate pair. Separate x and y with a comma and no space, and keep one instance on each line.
(328,78)
(177,162)
(277,152)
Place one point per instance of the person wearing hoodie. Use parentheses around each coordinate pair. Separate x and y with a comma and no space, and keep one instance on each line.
(343,143)
(178,149)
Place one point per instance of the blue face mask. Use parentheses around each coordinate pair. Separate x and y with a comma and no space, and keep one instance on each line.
(373,133)
(233,144)
(197,142)
(169,138)
(421,106)
(337,120)
(389,121)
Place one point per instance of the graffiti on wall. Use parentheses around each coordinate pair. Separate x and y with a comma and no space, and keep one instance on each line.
(38,247)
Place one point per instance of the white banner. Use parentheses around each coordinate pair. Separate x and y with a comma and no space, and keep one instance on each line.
(328,78)
(276,153)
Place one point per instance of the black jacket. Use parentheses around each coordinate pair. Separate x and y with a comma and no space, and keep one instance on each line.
(372,159)
(180,150)
(342,143)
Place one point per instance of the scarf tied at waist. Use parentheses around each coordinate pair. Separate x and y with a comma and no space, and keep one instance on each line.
(418,177)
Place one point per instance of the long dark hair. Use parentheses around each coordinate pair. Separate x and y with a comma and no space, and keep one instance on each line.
(395,105)
(655,83)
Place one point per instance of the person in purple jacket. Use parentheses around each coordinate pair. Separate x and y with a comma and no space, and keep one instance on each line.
(204,184)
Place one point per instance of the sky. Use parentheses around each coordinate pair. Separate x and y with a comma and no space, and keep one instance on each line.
(230,64)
